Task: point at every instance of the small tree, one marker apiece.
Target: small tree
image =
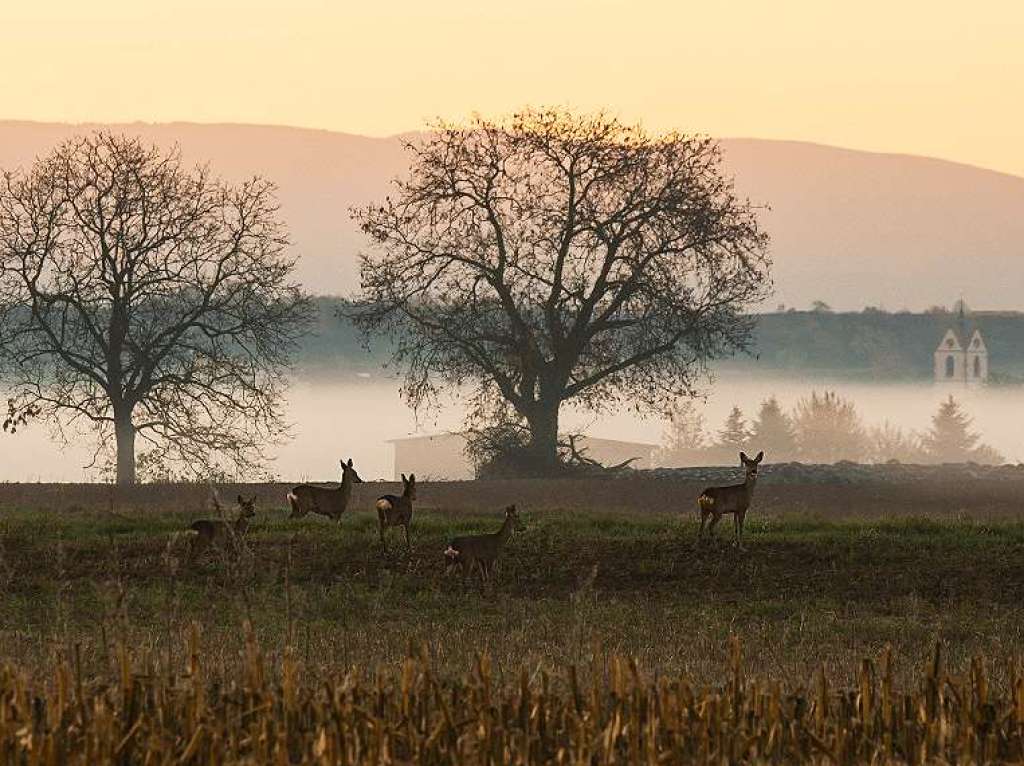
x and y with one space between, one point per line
552 258
820 307
773 432
951 440
828 429
734 436
888 443
685 439
146 300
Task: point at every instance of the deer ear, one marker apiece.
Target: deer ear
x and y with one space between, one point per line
350 462
412 478
241 500
744 458
760 457
404 480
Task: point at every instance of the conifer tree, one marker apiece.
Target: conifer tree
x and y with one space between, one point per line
734 435
773 432
951 440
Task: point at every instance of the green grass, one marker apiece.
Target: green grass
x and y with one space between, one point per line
574 587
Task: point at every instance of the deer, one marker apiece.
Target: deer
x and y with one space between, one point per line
220 531
482 550
328 502
735 499
396 510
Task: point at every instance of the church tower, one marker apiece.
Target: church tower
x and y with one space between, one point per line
962 356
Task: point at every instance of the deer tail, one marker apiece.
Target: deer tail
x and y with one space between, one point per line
706 502
451 553
383 504
293 501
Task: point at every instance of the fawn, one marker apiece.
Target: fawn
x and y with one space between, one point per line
396 511
222 532
482 550
329 502
734 499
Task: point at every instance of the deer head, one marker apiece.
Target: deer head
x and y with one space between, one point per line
409 485
246 508
750 466
512 516
348 473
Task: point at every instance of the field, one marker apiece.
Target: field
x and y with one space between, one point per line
606 574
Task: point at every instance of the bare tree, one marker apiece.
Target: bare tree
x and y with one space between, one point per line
551 258
685 438
147 300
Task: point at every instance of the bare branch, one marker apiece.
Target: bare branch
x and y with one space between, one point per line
139 294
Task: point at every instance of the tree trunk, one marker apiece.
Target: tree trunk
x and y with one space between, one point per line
543 447
124 431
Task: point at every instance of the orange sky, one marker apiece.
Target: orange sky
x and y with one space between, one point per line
937 78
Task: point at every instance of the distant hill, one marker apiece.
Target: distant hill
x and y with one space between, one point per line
848 227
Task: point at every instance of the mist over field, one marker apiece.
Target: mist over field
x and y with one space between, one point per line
340 415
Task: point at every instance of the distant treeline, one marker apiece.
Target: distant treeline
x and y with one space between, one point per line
881 344
822 428
870 343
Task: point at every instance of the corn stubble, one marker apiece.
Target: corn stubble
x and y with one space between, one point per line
147 715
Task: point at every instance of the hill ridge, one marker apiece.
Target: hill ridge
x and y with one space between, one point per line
850 227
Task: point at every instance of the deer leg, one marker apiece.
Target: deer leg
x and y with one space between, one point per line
199 548
715 518
703 521
740 518
383 543
488 574
407 543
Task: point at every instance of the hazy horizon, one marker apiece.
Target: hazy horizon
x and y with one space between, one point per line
911 78
837 217
401 134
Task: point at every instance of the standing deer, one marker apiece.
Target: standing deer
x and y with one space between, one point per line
396 511
482 550
329 502
734 499
220 531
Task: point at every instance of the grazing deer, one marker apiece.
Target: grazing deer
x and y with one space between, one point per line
329 502
481 550
735 499
395 511
222 532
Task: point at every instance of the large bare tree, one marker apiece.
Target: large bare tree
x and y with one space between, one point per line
550 258
148 300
